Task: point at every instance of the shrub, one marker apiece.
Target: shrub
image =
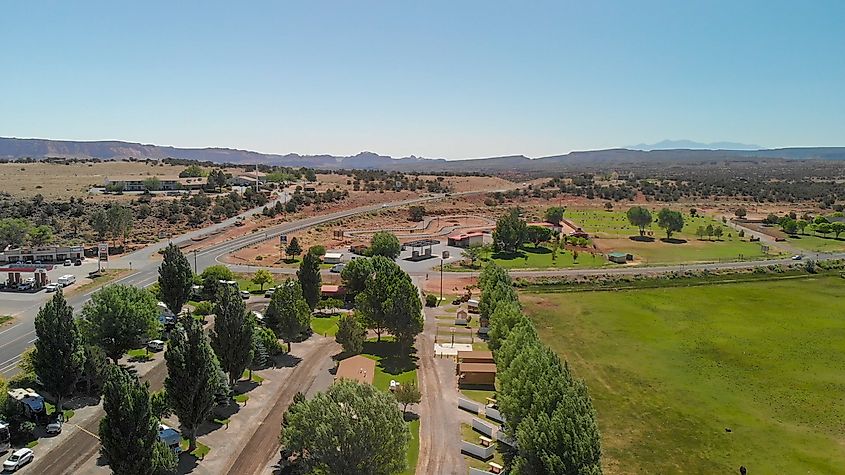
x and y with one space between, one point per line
203 308
430 300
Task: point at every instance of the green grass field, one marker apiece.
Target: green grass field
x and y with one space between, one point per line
541 258
670 369
817 243
326 326
613 231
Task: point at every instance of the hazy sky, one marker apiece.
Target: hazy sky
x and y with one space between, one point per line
452 79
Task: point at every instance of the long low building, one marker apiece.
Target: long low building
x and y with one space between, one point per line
475 238
165 183
43 254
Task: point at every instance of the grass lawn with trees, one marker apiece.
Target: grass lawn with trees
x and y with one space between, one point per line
403 369
614 232
671 369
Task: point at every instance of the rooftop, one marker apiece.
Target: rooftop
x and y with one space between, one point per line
475 354
476 367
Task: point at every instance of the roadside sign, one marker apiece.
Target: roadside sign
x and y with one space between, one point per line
103 251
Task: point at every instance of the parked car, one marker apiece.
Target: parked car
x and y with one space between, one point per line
18 459
155 345
269 292
244 294
337 268
797 257
55 426
78 262
52 287
68 262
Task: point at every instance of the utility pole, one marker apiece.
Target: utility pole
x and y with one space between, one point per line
441 278
195 261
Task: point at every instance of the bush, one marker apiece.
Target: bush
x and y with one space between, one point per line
331 303
430 300
203 308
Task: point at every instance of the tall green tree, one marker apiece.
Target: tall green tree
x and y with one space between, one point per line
640 217
120 220
129 430
231 338
118 316
262 277
40 235
554 214
403 312
670 221
192 376
288 315
293 248
500 292
351 428
389 300
175 279
59 348
211 277
502 320
96 365
537 234
13 231
350 334
521 335
509 234
385 244
355 275
407 394
309 278
416 213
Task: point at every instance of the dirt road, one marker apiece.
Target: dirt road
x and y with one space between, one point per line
440 429
262 448
83 444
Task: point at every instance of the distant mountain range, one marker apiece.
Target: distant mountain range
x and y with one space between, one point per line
690 145
14 148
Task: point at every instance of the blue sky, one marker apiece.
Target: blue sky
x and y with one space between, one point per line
436 79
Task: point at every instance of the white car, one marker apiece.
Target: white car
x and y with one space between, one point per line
55 426
269 292
51 287
244 294
155 345
18 459
797 257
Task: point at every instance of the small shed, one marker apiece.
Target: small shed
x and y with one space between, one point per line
333 257
477 374
619 257
335 291
462 317
475 356
357 368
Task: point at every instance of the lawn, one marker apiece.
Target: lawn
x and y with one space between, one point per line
613 232
413 447
326 326
541 258
671 369
817 243
389 364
